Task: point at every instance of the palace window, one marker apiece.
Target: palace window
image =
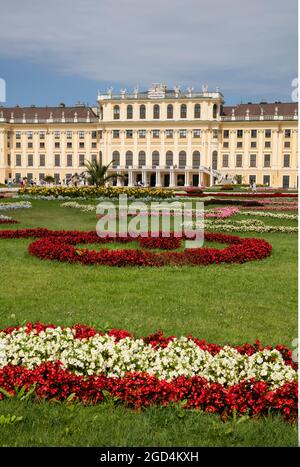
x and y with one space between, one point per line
129 112
252 160
196 133
115 159
266 180
239 160
287 133
253 133
142 111
182 133
94 158
142 133
30 160
57 134
57 160
253 144
239 144
239 133
57 144
81 134
69 160
225 145
18 135
94 145
42 135
285 181
81 160
170 111
267 144
215 133
225 160
252 178
182 159
128 158
94 134
116 112
156 111
268 133
169 133
30 145
69 134
18 160
42 160
69 145
197 111
81 145
215 111
196 159
183 111
155 159
116 133
29 134
286 160
155 133
169 158
142 159
42 145
267 160
129 133
215 160
287 144
226 134
18 145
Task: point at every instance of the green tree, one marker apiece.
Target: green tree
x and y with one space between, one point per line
96 173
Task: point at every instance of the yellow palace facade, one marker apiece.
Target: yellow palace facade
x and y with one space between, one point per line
160 137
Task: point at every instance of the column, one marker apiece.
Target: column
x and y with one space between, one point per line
186 178
158 178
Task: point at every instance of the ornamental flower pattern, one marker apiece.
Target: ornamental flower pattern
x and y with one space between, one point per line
61 246
82 362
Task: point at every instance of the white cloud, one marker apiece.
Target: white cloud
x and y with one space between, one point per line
236 44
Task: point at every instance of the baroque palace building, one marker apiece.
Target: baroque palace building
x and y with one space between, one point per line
160 137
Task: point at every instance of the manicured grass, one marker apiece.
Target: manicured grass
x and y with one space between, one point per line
223 304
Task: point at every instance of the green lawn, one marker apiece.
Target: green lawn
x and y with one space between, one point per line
223 304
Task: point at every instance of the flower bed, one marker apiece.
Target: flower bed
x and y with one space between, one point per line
272 215
94 192
61 246
245 225
19 205
83 363
242 195
7 220
221 213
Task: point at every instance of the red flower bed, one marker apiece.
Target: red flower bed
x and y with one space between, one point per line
137 390
61 246
8 221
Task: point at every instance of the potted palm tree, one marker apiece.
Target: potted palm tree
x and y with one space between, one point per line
96 173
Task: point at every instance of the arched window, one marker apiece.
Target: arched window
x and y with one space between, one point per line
116 112
156 111
215 160
196 159
115 159
142 111
128 158
183 111
182 159
142 159
169 158
129 112
155 159
170 111
197 111
215 111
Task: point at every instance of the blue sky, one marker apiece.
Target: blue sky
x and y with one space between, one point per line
64 51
